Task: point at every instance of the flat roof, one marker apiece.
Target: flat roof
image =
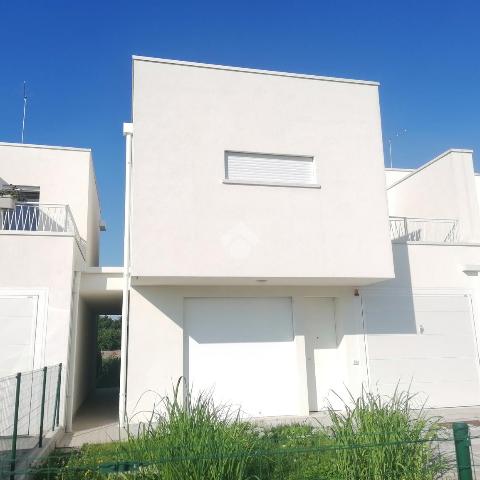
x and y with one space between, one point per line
251 70
48 147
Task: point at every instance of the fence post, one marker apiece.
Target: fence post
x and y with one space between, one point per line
15 428
56 411
42 408
462 450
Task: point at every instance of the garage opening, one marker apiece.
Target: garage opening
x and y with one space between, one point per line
242 350
425 343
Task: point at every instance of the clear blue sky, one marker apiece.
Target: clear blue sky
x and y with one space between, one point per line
75 57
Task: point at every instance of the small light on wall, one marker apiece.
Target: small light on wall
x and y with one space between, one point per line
355 293
261 280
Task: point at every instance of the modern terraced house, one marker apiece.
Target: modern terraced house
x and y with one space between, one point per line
269 255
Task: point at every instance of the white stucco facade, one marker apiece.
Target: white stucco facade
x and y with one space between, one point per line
224 263
271 259
186 117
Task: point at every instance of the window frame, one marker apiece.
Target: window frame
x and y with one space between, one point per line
263 183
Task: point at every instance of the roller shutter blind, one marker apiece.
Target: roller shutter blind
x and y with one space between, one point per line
269 169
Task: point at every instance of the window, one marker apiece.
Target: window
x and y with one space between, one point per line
269 169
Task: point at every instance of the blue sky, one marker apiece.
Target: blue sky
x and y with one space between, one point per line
75 57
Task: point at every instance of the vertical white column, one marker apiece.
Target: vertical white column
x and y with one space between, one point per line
128 133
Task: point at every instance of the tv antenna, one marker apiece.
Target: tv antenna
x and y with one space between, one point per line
24 108
398 134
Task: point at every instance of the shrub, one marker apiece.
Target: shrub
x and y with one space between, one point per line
397 440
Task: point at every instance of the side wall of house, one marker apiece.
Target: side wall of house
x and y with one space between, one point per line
85 355
93 220
45 267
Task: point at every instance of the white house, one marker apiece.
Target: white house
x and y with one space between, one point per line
269 255
263 261
49 238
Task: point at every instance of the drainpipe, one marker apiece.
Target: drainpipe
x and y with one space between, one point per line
128 134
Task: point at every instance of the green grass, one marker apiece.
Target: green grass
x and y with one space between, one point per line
372 439
405 436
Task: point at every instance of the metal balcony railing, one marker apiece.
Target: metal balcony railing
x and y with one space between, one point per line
34 217
424 230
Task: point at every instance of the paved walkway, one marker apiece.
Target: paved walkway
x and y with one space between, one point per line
96 420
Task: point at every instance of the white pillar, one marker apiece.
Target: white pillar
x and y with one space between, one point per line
128 133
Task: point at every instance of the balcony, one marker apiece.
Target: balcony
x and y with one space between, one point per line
41 218
404 229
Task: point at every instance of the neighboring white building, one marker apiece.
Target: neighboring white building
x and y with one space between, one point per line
49 238
270 256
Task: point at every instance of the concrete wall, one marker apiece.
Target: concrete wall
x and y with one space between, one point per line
186 222
65 176
156 350
443 188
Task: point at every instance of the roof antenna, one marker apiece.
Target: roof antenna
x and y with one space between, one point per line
24 108
398 134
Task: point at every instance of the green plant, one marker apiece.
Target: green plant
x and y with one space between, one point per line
379 438
293 452
109 373
198 439
109 333
187 437
191 438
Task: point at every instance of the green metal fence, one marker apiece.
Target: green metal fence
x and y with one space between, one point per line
456 446
29 409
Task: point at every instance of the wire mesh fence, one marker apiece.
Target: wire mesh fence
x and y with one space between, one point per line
29 408
452 455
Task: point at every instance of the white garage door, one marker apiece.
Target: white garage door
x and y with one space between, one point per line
427 341
243 350
18 318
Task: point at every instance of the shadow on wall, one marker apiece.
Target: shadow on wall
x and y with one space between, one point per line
323 330
398 316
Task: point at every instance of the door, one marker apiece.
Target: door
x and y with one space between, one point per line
321 351
242 350
425 343
18 324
